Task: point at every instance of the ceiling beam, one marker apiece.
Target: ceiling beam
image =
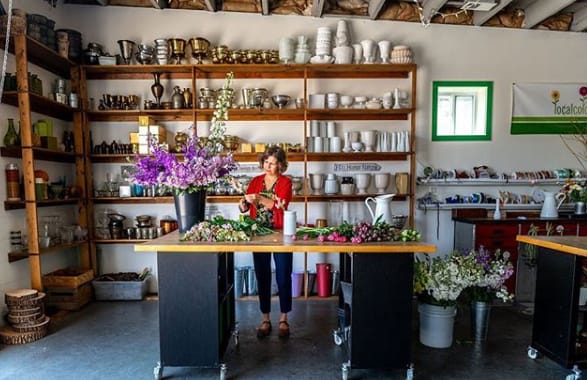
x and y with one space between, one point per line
430 7
480 18
317 8
579 20
543 9
375 7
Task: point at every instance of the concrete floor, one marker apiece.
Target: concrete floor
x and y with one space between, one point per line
119 340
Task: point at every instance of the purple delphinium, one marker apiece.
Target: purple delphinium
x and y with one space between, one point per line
198 168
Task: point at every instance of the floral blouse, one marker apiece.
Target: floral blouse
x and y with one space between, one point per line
281 192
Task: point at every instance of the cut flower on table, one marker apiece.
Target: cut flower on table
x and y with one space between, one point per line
362 232
222 229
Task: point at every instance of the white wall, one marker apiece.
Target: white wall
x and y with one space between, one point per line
442 53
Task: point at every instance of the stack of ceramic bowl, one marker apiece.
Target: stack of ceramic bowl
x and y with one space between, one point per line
401 54
161 51
323 42
332 100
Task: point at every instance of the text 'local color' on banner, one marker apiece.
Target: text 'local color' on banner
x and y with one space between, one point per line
549 108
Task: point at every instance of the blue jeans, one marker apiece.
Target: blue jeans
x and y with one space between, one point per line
283 269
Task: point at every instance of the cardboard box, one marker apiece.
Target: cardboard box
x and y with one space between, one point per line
49 142
146 120
133 137
246 148
145 130
146 139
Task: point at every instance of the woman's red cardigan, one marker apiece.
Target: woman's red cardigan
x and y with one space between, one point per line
282 191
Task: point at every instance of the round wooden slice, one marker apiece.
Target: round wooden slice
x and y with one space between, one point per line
9 336
42 325
18 296
23 312
26 320
30 302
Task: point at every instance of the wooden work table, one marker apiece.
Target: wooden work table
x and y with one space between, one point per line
559 264
197 303
275 243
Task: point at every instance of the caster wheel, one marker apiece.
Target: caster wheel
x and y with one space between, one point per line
337 337
346 369
223 370
158 371
532 353
236 337
410 372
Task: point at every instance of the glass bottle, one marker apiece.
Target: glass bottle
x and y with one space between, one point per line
11 137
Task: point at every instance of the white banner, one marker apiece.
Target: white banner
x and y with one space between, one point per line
549 108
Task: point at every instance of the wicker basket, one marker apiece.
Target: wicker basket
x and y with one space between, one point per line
18 24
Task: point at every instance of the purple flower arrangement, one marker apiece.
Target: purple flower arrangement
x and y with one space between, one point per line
198 166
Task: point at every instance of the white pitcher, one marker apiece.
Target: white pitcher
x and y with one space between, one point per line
551 204
382 207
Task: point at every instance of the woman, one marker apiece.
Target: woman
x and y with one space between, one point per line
267 197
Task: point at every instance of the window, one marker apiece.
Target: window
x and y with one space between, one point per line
461 111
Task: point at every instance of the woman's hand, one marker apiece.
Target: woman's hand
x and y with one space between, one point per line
243 205
257 199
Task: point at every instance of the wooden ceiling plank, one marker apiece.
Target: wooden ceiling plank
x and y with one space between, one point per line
543 9
430 7
579 20
480 18
317 8
375 7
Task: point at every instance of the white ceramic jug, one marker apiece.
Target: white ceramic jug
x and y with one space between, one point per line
551 204
382 207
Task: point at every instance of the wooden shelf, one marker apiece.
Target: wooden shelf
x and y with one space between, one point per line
359 114
184 114
119 241
132 200
40 154
493 182
248 71
236 198
137 71
41 105
261 114
358 156
17 255
16 205
24 254
42 56
240 157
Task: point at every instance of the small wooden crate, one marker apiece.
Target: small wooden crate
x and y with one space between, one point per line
68 278
64 298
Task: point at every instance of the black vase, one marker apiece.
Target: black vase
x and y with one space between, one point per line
190 209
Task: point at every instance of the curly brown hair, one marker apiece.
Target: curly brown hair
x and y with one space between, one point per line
278 153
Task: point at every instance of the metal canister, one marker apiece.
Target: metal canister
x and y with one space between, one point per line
12 182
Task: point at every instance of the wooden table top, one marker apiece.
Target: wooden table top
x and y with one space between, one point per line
275 243
576 245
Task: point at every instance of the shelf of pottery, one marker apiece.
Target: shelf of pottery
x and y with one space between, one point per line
531 187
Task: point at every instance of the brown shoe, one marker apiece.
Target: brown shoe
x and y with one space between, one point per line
283 329
264 330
